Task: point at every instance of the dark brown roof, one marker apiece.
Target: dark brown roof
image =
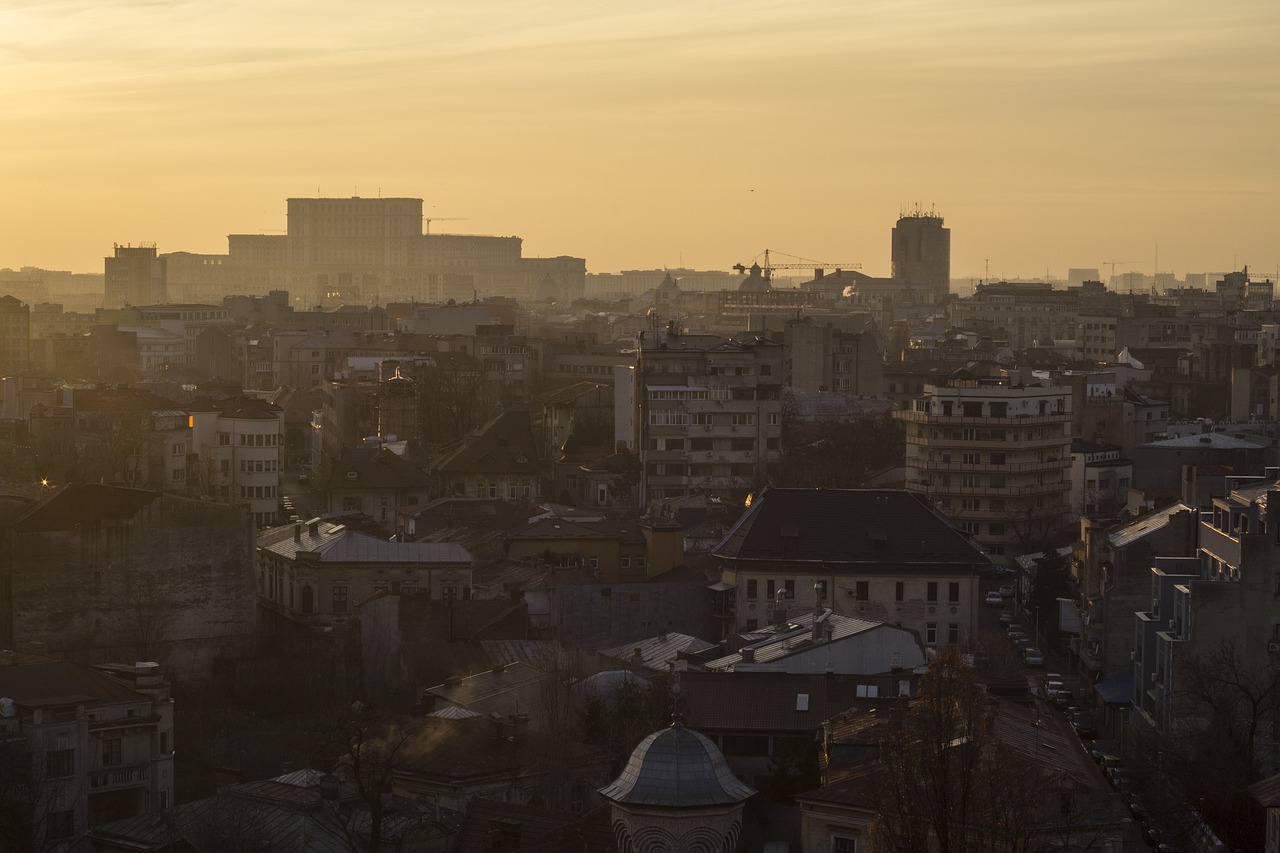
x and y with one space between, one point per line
61 682
381 469
842 527
470 748
82 504
242 408
122 399
554 529
568 394
505 444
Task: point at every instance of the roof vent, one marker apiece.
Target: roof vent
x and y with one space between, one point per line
353 475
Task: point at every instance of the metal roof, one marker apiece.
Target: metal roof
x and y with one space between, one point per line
1146 525
677 767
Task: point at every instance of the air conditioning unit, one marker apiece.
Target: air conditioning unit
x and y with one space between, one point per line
748 454
707 427
1273 647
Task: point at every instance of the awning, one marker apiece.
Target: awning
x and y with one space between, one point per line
1116 690
720 586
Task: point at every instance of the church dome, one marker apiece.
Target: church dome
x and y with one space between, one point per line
677 767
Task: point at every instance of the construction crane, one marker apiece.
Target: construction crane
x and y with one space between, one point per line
429 219
769 266
1113 266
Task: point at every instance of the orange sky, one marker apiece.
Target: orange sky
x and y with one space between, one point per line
1050 134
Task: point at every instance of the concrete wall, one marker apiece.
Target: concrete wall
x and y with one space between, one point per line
174 583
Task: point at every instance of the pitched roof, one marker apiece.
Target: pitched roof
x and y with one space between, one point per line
627 532
797 636
845 527
677 767
1142 527
334 543
380 469
657 652
505 444
240 408
766 701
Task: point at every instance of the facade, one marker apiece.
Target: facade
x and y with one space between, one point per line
314 573
238 454
378 483
371 250
821 357
101 738
876 554
134 275
708 413
921 251
616 551
1100 479
188 322
994 456
15 335
499 461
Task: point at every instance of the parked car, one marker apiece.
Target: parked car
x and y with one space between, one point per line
1033 657
1004 571
1006 590
1085 725
304 480
1006 618
1052 689
1016 635
1100 749
994 600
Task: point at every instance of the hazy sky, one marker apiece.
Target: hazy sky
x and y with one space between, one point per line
643 133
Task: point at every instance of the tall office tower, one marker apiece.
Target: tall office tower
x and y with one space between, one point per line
922 251
134 276
995 457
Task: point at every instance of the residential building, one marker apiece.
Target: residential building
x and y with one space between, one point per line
134 275
15 335
994 455
1113 571
822 357
1100 479
237 448
499 461
379 483
108 572
314 573
708 413
876 554
615 551
100 739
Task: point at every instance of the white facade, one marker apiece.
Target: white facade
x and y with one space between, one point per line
240 458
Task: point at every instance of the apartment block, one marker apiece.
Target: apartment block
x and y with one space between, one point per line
708 413
994 455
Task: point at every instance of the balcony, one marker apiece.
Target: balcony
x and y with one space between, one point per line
1012 443
959 420
1222 545
980 468
115 778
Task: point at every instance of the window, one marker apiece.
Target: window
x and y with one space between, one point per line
932 591
752 589
863 591
224 438
111 752
931 634
790 587
953 592
899 591
997 458
60 762
339 598
770 587
642 562
164 743
178 474
179 449
972 458
995 528
625 562
953 633
59 824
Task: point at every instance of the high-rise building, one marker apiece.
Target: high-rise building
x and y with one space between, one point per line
135 275
922 251
994 456
708 413
15 335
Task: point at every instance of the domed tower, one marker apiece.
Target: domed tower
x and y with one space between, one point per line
668 295
677 795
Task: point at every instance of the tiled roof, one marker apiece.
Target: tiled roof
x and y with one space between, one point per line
239 408
677 767
844 527
627 532
334 543
568 394
505 444
380 469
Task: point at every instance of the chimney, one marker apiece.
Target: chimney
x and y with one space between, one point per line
748 655
297 533
818 273
498 668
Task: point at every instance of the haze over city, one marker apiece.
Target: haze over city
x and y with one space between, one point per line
1051 135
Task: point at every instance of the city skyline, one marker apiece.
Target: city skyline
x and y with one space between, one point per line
1054 136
